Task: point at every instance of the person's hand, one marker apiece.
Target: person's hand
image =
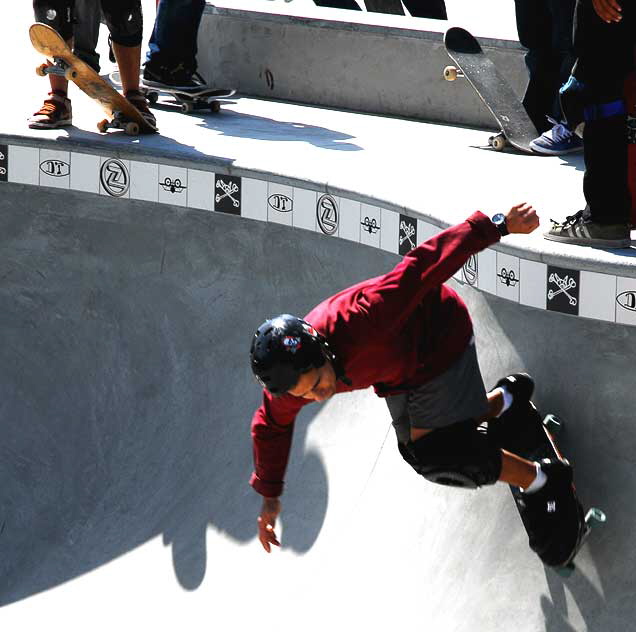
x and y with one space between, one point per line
267 521
522 218
608 10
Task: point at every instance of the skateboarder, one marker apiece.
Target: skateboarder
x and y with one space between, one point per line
124 20
411 337
604 38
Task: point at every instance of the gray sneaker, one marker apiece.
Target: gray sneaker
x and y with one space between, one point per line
576 230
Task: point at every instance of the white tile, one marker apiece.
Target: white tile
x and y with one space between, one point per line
533 289
280 204
487 266
55 168
173 185
371 224
114 177
390 233
24 165
201 189
350 220
626 301
470 271
84 172
426 231
144 181
254 199
304 215
597 296
508 277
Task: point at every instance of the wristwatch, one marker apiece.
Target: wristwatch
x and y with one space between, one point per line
499 220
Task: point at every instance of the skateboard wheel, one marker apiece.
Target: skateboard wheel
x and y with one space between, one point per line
566 571
215 106
595 515
152 97
553 424
131 128
450 73
186 108
70 74
497 142
41 70
102 126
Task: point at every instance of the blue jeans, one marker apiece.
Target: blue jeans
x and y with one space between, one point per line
174 36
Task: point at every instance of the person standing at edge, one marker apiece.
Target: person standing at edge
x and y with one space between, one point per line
411 337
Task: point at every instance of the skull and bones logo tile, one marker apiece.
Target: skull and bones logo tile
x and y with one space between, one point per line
227 194
563 290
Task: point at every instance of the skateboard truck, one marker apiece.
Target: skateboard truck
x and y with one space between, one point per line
59 67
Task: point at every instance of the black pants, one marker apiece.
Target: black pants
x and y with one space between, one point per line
123 18
545 29
605 54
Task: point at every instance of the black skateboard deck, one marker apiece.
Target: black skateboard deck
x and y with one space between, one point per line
530 437
190 100
482 74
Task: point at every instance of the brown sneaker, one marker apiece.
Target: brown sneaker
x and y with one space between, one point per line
139 100
55 112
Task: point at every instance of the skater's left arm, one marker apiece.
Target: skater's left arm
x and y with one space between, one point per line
394 296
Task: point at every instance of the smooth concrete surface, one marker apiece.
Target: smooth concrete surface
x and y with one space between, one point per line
125 453
125 395
367 62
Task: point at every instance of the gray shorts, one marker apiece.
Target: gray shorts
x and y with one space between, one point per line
456 395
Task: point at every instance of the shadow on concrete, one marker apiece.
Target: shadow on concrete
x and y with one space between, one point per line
125 392
584 373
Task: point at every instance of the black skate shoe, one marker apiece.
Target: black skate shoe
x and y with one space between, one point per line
520 386
172 78
553 516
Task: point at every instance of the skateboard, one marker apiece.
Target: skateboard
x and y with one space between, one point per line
532 438
120 112
515 126
188 100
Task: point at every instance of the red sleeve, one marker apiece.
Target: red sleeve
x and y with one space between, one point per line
392 299
272 429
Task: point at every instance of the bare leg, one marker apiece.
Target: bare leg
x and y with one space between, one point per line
57 82
128 60
516 471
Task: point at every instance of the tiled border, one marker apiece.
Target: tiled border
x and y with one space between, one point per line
530 283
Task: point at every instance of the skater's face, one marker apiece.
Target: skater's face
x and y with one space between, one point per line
317 384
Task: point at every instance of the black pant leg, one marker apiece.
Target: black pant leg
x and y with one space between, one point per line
604 57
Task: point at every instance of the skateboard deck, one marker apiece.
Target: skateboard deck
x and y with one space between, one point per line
187 100
190 100
515 126
534 439
120 112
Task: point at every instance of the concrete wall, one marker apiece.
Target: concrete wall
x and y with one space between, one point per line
379 64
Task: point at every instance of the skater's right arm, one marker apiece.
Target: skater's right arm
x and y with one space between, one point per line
267 522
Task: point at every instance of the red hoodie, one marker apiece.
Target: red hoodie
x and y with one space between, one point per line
393 332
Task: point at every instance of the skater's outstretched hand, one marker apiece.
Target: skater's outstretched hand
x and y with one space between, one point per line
267 521
522 218
608 10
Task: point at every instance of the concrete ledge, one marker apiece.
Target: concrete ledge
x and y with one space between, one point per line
389 65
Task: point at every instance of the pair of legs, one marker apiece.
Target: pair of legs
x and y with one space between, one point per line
437 425
545 29
124 19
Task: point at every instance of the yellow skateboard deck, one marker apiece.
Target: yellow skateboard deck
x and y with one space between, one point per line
120 112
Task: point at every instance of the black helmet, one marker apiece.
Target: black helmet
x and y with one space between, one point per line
283 348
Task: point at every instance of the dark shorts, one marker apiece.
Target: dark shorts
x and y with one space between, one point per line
456 395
